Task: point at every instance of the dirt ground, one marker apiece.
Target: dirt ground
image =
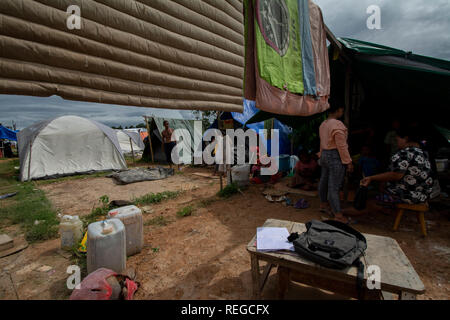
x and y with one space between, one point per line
203 256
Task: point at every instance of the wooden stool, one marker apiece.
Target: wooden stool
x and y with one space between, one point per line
419 208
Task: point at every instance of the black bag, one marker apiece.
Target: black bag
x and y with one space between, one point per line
360 198
331 244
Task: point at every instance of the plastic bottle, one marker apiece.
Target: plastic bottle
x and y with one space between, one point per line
71 230
131 217
106 246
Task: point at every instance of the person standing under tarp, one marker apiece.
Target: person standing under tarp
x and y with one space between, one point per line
334 159
169 141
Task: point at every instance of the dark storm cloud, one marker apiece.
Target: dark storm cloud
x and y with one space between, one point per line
25 110
412 25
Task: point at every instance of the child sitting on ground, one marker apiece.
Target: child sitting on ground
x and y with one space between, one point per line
304 172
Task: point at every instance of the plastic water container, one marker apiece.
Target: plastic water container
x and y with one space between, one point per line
131 217
284 162
240 174
106 246
71 230
441 165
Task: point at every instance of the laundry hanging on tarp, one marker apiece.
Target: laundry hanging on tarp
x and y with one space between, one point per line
286 58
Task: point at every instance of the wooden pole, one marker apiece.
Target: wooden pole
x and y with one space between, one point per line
149 138
348 107
132 152
335 43
347 101
29 163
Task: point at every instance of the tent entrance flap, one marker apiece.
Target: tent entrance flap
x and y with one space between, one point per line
161 54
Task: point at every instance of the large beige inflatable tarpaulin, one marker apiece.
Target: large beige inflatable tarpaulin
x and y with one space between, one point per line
179 54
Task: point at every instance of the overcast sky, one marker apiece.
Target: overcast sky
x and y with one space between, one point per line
420 26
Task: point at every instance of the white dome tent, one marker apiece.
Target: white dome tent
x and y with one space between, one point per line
67 145
130 141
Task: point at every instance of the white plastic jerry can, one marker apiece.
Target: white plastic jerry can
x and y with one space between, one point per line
131 217
106 246
71 230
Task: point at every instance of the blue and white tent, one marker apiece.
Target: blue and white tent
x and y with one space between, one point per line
249 112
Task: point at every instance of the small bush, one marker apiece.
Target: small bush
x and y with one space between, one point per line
98 212
228 191
186 211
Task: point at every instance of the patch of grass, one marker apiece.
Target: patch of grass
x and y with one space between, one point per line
155 250
98 212
206 202
151 198
157 221
9 176
79 259
228 191
30 205
186 211
27 206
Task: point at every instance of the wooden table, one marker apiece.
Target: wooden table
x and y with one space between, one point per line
397 274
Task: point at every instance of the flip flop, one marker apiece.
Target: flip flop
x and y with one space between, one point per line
326 211
288 202
301 204
349 221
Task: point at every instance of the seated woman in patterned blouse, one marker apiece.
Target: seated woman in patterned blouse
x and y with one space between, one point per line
409 179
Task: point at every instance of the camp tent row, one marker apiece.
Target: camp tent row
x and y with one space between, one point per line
130 141
70 145
187 139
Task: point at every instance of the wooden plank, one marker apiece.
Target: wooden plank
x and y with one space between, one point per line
264 276
407 296
6 242
205 175
286 189
255 276
334 286
397 273
283 281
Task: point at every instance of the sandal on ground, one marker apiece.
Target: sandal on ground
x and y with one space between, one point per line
348 222
326 211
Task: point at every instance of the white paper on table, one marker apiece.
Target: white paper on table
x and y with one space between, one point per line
272 239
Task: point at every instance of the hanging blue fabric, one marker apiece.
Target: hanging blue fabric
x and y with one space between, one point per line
309 75
7 134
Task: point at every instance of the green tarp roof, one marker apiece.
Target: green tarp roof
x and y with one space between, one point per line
407 60
396 83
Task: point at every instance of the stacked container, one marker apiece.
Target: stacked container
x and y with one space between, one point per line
71 230
106 246
240 174
131 217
